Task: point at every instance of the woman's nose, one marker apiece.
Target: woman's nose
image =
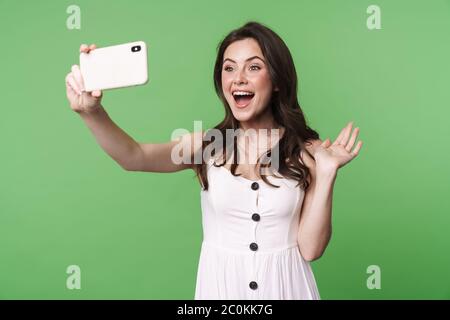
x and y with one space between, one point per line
240 77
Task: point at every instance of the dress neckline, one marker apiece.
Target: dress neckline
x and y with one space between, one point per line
239 177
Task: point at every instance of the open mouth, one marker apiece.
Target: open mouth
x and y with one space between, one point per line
243 98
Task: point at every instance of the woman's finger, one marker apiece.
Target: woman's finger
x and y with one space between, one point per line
71 81
69 87
357 148
97 93
78 77
347 132
350 144
84 48
341 135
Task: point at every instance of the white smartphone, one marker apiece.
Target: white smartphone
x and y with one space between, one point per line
117 66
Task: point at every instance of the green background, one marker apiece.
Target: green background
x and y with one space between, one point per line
63 201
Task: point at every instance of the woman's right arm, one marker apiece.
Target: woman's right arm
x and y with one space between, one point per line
129 154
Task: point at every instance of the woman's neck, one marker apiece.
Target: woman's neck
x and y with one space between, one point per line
264 121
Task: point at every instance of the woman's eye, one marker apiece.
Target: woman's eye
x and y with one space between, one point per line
254 67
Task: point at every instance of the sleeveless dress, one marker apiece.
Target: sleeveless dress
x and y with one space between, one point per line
249 248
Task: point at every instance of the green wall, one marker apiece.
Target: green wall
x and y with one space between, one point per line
64 202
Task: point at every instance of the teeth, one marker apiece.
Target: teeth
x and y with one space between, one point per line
242 93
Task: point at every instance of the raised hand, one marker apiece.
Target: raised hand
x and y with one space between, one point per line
80 100
332 156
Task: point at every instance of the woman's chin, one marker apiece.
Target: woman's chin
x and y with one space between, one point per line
241 115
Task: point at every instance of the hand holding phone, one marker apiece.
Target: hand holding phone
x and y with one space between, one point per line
113 67
117 66
81 101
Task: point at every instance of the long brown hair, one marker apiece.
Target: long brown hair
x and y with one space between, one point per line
284 106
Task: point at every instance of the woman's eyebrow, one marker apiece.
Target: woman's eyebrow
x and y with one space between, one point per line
251 58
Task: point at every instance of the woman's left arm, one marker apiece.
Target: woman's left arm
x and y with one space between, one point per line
315 219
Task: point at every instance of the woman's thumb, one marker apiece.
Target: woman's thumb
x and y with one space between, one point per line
307 160
326 143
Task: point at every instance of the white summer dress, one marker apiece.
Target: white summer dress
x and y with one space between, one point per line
249 248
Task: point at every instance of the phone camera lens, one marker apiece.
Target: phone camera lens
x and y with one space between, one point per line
136 48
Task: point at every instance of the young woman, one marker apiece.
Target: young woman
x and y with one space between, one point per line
261 228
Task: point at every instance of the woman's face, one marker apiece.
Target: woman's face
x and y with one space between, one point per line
246 83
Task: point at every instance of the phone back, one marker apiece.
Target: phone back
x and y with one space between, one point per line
116 66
